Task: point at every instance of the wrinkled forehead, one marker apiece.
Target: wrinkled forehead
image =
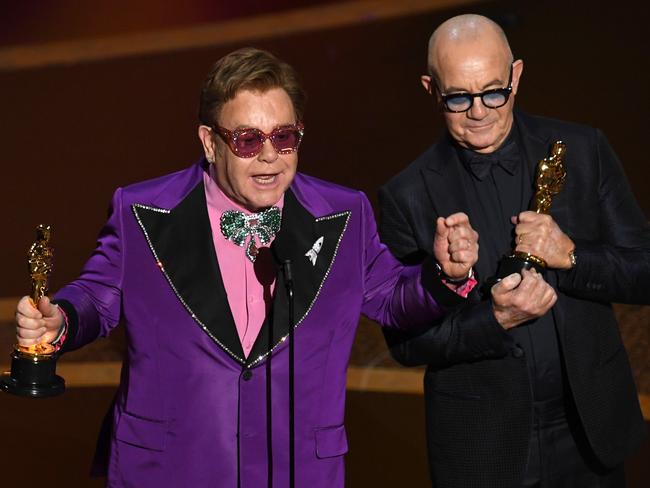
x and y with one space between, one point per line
469 63
260 90
261 109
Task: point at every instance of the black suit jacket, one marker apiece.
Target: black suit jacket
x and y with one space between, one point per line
477 390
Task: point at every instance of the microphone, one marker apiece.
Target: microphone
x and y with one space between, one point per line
285 266
288 277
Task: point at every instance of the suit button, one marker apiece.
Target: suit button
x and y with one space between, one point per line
517 352
247 375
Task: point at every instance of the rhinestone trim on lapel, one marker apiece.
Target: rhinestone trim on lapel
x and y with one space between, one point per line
327 272
161 265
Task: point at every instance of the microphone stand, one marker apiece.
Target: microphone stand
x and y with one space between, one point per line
288 281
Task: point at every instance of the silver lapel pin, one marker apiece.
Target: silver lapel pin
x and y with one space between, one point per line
312 254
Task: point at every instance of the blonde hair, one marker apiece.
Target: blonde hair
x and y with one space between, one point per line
247 69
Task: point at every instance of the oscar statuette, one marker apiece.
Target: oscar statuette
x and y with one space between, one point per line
33 368
549 180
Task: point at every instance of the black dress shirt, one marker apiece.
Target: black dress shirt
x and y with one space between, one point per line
500 185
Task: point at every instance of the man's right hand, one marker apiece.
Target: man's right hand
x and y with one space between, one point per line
519 298
37 325
455 245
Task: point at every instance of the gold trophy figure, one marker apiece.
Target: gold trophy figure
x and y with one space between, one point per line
551 173
39 260
33 368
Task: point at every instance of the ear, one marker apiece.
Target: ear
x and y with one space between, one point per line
430 86
517 70
426 83
207 140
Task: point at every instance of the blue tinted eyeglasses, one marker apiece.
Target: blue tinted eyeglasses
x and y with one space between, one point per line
462 102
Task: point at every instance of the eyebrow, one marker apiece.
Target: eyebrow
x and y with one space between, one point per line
487 86
278 126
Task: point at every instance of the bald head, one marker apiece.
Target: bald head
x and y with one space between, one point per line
463 32
469 56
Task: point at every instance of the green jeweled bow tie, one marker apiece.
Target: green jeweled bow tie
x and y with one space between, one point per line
236 226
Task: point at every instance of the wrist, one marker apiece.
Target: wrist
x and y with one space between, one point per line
568 261
62 332
572 258
445 278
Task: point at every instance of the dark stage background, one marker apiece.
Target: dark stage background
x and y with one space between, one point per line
71 134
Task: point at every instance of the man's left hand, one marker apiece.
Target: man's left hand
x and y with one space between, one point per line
455 245
539 235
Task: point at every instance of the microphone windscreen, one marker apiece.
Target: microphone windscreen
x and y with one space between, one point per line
286 267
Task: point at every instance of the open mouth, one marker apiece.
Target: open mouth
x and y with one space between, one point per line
265 179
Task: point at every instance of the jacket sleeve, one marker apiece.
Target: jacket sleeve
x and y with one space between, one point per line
398 296
468 332
93 301
616 267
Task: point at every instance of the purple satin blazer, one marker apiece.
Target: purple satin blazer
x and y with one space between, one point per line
191 410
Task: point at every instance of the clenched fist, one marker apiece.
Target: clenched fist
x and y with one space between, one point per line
455 245
37 325
519 298
539 234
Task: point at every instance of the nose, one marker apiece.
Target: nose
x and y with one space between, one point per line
477 110
268 154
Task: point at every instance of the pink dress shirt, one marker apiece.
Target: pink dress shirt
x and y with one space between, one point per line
249 286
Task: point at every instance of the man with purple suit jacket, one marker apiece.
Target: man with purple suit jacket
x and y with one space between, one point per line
184 261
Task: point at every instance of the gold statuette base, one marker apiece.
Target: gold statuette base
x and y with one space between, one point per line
517 262
32 375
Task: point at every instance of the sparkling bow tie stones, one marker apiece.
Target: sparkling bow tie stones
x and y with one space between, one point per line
236 226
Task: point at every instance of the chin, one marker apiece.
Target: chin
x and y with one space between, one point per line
262 203
481 144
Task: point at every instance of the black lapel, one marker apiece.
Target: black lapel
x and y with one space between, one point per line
299 232
182 244
442 177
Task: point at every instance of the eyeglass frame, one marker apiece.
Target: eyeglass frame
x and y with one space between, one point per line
230 137
506 91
